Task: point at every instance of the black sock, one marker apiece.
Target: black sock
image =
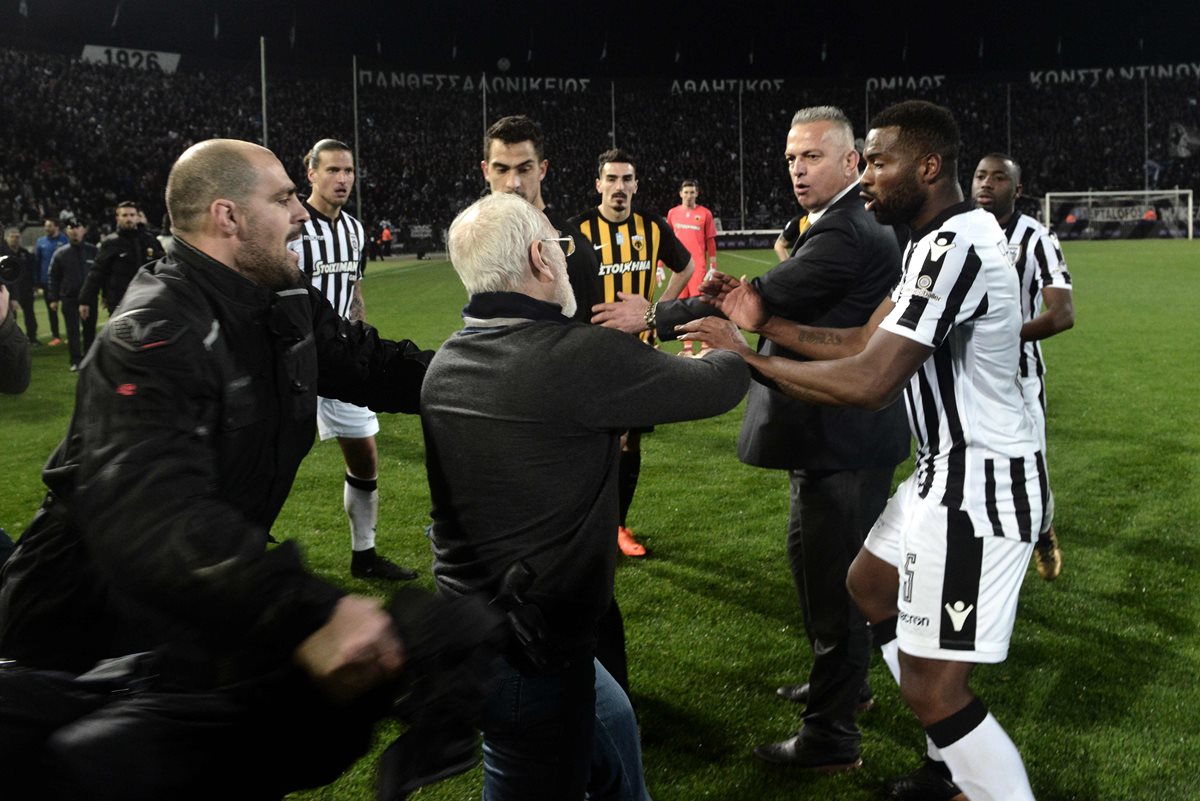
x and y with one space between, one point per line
627 479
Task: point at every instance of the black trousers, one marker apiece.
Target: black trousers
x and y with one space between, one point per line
78 345
831 513
69 737
23 293
52 314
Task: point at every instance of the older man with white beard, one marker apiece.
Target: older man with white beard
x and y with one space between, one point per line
523 412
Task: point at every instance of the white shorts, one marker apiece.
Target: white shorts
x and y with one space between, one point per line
337 418
1032 392
958 591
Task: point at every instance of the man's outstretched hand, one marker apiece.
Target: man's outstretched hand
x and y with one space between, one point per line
736 299
627 314
715 332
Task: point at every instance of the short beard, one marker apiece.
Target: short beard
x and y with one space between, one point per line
566 295
902 207
265 268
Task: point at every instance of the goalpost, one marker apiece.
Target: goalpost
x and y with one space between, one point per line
1132 214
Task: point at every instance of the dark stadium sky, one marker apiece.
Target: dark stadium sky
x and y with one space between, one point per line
697 38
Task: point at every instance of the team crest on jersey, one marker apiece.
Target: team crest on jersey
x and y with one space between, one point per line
924 288
1009 251
638 241
353 240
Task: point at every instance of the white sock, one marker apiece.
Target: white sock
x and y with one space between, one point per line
361 500
985 764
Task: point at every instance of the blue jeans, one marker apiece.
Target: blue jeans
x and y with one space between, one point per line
571 735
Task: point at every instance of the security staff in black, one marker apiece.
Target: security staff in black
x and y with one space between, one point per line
119 259
69 269
193 413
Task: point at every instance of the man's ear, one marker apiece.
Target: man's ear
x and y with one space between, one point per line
851 162
225 216
930 168
540 268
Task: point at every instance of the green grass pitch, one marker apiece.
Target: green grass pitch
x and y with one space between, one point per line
1099 691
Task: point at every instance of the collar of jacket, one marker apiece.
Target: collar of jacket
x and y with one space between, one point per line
484 306
218 278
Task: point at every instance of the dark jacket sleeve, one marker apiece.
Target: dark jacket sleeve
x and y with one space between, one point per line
356 365
145 499
57 269
14 358
817 277
97 277
671 313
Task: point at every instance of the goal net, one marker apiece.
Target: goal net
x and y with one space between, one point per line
1156 214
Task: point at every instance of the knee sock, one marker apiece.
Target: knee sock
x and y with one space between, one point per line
627 479
983 760
361 499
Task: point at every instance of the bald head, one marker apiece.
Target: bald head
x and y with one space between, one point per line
210 170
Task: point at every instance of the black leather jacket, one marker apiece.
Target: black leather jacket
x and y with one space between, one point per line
193 412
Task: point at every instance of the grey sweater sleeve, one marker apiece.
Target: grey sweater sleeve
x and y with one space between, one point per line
631 385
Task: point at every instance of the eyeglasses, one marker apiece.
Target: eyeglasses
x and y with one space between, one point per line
567 243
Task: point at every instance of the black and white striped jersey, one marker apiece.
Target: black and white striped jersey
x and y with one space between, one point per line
977 447
333 254
1039 261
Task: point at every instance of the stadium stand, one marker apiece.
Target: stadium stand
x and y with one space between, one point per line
79 137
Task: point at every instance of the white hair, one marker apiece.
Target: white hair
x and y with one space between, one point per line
489 242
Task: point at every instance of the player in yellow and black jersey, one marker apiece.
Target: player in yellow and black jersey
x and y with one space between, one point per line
629 244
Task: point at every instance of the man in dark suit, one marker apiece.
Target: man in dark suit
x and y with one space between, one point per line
840 461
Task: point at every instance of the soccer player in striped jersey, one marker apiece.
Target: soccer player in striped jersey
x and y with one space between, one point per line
941 569
1042 271
332 251
630 244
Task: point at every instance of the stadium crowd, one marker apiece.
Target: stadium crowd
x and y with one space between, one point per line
80 137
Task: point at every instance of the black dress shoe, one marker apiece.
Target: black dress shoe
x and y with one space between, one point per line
930 782
799 694
368 564
801 753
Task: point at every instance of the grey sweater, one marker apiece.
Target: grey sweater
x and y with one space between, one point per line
522 421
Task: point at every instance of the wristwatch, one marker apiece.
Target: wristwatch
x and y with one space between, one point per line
649 317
